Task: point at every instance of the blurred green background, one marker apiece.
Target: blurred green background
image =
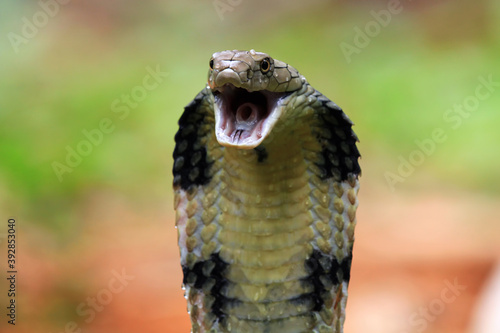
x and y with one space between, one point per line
66 67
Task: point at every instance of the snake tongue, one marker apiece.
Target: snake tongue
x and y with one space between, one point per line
244 119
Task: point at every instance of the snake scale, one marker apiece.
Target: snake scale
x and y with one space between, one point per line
266 182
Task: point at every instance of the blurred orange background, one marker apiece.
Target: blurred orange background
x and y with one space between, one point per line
90 94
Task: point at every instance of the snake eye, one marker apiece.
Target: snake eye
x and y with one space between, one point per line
211 63
265 65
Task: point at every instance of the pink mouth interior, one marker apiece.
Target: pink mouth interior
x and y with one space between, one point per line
243 113
247 118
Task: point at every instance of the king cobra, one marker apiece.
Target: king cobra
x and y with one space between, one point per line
266 182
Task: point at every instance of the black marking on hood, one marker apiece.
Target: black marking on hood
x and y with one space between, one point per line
208 276
191 167
340 154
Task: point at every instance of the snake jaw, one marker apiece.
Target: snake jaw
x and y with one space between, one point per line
244 119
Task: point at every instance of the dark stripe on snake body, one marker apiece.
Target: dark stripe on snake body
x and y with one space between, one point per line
325 272
209 276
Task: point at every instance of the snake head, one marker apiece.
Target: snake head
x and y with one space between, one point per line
247 87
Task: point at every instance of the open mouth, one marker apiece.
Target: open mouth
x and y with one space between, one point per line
244 119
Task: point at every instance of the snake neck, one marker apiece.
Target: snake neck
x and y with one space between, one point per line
266 184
